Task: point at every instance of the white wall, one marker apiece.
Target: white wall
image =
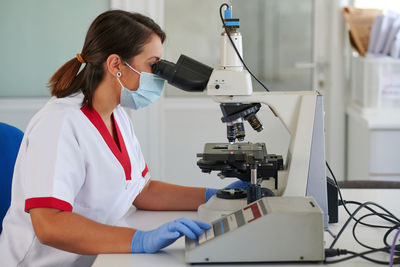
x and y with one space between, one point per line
19 111
37 37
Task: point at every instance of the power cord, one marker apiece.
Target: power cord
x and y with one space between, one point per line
388 233
392 249
338 252
236 50
355 226
344 202
387 216
350 219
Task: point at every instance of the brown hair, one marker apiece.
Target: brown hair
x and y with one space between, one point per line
112 32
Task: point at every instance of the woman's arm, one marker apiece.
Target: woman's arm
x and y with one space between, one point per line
74 233
158 195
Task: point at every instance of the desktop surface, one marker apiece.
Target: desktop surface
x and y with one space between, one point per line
174 255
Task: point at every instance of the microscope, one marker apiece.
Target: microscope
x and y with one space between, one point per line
282 214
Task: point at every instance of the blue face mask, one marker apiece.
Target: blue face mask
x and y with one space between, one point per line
150 88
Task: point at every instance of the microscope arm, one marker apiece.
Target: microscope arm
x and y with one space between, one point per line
296 111
284 105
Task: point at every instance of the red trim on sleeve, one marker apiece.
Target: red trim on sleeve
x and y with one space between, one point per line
120 153
47 202
145 171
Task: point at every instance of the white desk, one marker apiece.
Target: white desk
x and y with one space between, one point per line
174 255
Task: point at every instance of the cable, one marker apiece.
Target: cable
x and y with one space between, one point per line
337 185
348 221
397 248
352 217
343 202
338 252
236 50
388 233
381 215
373 226
354 231
387 216
362 255
392 248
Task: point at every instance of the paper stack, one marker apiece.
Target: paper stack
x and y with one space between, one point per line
384 39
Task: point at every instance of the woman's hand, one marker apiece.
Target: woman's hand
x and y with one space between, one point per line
166 234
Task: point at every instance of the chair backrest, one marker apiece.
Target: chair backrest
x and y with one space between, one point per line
10 140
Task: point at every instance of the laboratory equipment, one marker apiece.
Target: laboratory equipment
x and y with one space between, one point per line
293 193
269 229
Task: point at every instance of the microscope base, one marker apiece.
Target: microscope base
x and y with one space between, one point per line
277 229
215 208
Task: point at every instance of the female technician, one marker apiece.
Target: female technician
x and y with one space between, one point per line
80 166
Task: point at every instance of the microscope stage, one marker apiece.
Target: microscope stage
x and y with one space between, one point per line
236 159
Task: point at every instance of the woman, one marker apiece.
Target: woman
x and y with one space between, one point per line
80 166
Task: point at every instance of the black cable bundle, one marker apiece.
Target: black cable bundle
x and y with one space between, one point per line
385 215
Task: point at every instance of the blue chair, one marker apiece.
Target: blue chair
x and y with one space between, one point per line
10 140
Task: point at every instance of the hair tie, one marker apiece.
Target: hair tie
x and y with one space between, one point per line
80 58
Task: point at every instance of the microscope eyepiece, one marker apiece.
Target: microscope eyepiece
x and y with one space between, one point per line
187 74
164 69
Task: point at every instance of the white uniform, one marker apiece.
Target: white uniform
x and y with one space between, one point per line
69 161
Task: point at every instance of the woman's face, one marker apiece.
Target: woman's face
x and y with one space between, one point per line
151 53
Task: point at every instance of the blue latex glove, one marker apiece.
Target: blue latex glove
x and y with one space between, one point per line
238 184
166 234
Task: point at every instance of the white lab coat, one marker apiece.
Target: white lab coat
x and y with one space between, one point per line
69 161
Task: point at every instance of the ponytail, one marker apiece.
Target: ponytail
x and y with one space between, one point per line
63 78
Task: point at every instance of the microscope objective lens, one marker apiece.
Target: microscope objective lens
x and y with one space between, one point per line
255 123
240 134
231 131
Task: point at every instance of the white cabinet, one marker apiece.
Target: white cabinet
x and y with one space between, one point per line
373 149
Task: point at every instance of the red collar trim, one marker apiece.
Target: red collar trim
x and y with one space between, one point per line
121 155
145 171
